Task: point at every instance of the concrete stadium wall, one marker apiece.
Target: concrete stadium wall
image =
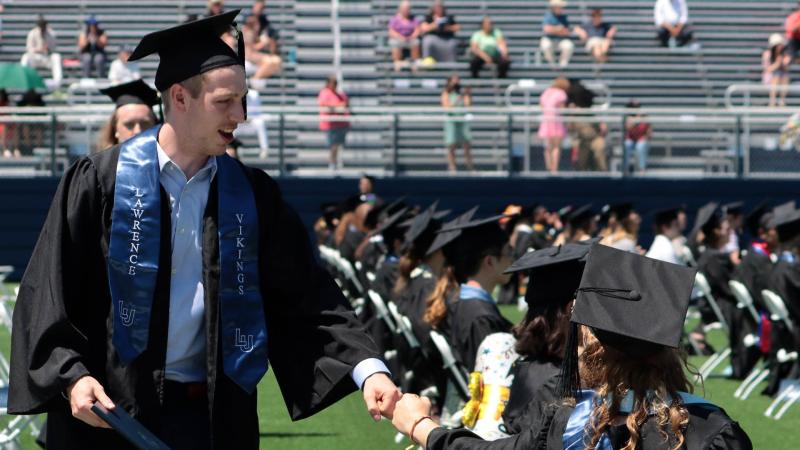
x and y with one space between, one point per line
24 202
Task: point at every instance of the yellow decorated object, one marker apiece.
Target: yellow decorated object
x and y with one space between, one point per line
486 401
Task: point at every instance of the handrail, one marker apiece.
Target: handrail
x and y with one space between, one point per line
747 89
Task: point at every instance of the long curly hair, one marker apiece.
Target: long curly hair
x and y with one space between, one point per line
656 381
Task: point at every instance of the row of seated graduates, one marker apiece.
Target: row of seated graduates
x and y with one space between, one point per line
768 262
413 258
426 265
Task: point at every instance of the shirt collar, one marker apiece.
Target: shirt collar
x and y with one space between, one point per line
164 160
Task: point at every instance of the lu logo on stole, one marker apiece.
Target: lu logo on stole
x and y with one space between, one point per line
244 342
126 314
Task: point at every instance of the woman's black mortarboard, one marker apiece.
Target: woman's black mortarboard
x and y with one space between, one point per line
136 92
580 215
733 208
190 49
618 292
787 224
554 272
754 219
445 237
708 217
666 216
391 223
780 212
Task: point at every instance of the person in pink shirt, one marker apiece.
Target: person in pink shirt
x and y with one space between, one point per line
404 35
792 33
552 128
333 102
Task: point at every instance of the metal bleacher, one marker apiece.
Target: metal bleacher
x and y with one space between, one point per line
731 34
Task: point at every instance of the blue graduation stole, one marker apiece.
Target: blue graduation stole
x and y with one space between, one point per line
475 293
134 252
575 431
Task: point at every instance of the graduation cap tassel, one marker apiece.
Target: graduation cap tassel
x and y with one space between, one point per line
570 377
240 53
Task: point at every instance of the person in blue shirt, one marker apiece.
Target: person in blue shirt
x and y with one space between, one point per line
557 32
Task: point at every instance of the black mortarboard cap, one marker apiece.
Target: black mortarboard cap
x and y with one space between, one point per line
554 272
578 215
666 216
755 218
136 92
708 216
788 225
351 203
392 222
444 238
375 214
734 208
190 49
783 209
633 303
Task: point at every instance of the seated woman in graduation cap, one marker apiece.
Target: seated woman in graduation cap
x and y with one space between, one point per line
554 276
634 388
132 115
623 227
477 255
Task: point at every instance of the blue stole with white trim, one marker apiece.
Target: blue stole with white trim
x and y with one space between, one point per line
575 431
134 253
475 293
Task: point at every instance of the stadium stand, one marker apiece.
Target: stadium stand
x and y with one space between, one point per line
731 36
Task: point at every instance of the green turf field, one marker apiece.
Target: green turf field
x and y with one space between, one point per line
347 426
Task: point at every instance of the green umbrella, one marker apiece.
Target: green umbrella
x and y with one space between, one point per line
17 76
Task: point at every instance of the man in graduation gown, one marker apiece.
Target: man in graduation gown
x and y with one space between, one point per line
176 328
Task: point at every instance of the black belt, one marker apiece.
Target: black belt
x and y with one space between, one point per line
182 393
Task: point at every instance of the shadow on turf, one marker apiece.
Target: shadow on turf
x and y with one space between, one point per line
293 435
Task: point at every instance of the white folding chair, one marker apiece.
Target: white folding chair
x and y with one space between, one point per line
745 301
701 283
403 326
790 389
381 310
457 373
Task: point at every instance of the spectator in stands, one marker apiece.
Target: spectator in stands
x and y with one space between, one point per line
671 19
598 36
792 32
637 136
775 69
40 49
438 31
589 135
92 43
215 7
456 128
331 101
264 26
122 70
404 33
256 47
552 129
31 133
557 32
489 47
7 130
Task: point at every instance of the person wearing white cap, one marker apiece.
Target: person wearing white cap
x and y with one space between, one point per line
557 32
775 69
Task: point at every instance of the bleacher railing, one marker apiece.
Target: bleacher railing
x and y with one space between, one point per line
409 141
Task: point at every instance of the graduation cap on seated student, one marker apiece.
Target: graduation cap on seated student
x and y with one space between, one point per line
787 224
192 48
733 208
421 229
554 273
780 211
755 219
708 217
666 216
631 303
450 231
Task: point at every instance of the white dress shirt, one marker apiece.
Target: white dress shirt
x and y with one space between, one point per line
663 250
672 12
186 337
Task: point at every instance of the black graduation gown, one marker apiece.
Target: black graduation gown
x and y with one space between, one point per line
708 429
753 272
535 384
353 237
718 269
63 323
386 277
470 321
784 280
